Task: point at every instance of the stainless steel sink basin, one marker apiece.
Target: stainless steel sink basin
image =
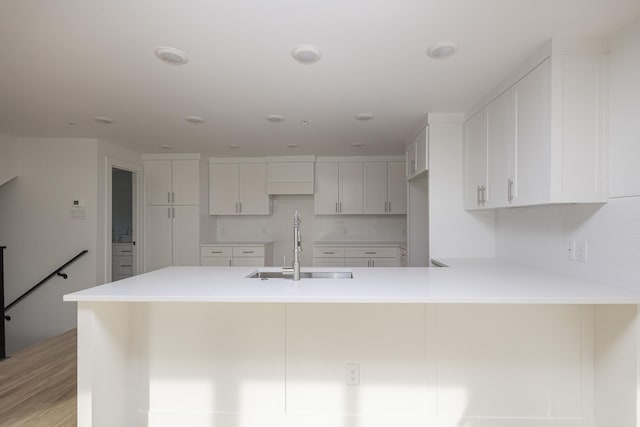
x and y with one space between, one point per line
264 275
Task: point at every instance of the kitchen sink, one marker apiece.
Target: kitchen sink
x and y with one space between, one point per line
264 275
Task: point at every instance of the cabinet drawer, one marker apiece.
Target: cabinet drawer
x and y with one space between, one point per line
122 249
372 252
216 251
247 262
328 252
121 265
328 262
248 251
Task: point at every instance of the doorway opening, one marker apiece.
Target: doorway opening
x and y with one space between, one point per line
123 224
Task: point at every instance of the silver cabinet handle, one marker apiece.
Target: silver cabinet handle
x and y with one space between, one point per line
216 252
509 189
371 253
373 263
340 207
236 207
173 212
168 212
368 263
328 253
478 190
389 207
173 197
123 251
484 194
168 196
336 207
240 206
247 252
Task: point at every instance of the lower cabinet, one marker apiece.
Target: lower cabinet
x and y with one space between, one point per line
121 261
236 255
356 256
171 237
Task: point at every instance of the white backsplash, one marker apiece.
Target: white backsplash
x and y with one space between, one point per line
278 228
539 236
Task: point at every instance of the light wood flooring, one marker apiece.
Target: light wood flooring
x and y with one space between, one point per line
38 384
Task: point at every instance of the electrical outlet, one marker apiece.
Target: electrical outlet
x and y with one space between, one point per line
353 374
570 253
581 252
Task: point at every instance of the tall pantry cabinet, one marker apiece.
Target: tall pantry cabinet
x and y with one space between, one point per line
172 210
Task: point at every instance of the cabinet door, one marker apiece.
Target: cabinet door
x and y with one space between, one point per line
475 160
357 262
185 182
186 235
350 188
252 189
385 262
396 188
530 153
375 188
158 239
327 189
412 158
157 182
499 137
422 151
215 262
247 262
223 189
328 262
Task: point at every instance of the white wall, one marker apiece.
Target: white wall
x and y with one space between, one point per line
40 235
453 232
8 158
278 228
539 235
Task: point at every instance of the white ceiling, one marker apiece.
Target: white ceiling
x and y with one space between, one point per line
71 60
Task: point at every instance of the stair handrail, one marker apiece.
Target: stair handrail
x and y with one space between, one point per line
56 272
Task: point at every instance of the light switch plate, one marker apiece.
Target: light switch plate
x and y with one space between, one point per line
581 251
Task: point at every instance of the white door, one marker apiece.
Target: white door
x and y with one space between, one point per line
157 182
396 188
530 154
475 159
223 189
350 188
185 180
158 239
499 135
375 188
252 189
186 235
327 188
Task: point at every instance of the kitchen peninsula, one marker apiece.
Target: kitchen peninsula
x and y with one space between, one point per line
481 343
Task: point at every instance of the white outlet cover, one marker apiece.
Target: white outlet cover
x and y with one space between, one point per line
581 251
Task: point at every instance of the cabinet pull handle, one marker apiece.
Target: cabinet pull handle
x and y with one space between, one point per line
240 206
123 250
173 197
478 200
336 207
125 265
173 212
389 207
168 196
373 263
371 253
328 253
236 207
340 207
169 213
509 189
216 252
247 252
368 263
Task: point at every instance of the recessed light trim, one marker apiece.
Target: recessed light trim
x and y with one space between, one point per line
306 54
166 147
104 119
292 145
364 116
442 50
195 119
72 123
171 55
357 144
274 118
233 146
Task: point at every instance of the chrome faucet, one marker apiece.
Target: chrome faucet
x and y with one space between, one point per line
297 248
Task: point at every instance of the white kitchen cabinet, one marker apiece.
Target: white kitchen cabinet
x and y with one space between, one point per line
171 238
121 261
417 155
550 142
356 255
237 254
384 189
238 188
487 138
338 188
169 181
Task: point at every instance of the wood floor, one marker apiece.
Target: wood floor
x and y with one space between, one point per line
38 384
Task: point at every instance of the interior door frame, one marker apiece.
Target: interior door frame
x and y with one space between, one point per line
136 214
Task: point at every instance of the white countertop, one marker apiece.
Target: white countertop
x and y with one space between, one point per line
359 244
477 281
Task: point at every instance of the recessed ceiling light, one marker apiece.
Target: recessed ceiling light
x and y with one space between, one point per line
195 119
72 123
166 147
274 118
104 119
304 122
364 116
233 146
442 50
292 145
306 54
171 55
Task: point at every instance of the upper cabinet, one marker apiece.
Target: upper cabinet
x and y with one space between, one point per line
542 140
238 187
338 188
171 181
417 155
290 175
384 189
